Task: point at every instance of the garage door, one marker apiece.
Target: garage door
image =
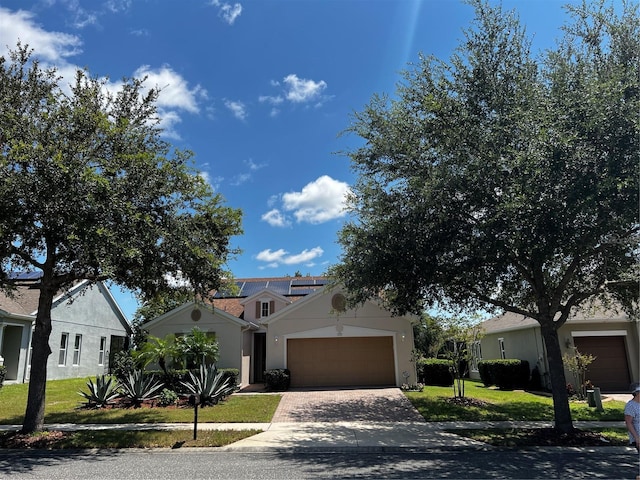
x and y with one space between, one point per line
341 361
610 370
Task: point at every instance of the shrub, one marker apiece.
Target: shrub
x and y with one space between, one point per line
3 373
437 372
506 374
277 379
210 384
138 387
167 397
233 374
102 392
122 365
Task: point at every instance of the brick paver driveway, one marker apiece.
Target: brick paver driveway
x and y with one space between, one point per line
346 405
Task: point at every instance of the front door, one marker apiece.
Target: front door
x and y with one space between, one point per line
259 356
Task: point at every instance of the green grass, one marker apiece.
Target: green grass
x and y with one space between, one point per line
63 406
123 439
522 437
502 405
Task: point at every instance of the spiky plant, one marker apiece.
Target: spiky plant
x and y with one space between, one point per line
137 387
210 384
101 393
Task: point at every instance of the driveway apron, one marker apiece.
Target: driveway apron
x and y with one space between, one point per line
346 405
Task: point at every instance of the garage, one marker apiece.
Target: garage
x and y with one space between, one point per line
341 361
610 370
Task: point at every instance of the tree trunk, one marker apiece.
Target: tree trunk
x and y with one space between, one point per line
561 411
40 351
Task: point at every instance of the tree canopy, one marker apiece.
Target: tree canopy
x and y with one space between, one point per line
89 190
501 179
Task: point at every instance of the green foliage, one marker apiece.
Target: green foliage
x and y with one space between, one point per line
138 387
123 364
101 393
578 364
197 348
277 379
167 397
233 374
146 215
503 177
3 373
437 372
158 350
506 374
427 335
210 384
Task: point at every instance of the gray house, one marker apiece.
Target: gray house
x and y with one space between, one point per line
609 335
88 327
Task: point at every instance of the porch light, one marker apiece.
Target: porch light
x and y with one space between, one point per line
403 336
275 339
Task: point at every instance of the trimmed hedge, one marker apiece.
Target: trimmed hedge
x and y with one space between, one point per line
505 374
436 372
277 379
3 373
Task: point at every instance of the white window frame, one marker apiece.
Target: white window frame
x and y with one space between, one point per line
103 348
64 347
77 348
265 309
503 353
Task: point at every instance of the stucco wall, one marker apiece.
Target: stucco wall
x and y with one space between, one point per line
316 319
90 315
228 334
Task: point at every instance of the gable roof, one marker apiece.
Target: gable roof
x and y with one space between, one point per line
192 305
595 313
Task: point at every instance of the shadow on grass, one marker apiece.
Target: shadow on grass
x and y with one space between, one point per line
439 410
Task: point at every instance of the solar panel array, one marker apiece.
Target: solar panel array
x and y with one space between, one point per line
296 286
25 275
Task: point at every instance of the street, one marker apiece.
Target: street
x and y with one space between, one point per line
556 463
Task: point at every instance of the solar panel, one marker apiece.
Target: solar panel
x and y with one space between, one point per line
223 293
302 291
281 287
25 275
303 283
251 288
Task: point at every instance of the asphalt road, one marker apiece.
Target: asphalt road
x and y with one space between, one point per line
192 464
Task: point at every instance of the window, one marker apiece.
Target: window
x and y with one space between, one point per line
264 310
76 349
476 355
501 346
103 347
64 343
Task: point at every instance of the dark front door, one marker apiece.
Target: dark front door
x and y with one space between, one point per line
259 356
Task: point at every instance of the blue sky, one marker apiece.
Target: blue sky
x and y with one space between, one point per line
259 90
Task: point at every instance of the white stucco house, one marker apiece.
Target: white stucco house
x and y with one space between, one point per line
88 327
301 324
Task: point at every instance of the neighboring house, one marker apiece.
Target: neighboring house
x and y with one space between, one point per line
612 337
300 324
88 327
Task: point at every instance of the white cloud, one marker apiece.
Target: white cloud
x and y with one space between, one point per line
237 108
175 92
319 201
49 46
229 13
300 90
275 218
282 257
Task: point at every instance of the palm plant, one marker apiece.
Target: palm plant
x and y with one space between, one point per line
158 350
197 348
137 387
102 392
210 384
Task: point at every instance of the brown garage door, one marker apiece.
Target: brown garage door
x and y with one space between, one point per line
341 361
610 370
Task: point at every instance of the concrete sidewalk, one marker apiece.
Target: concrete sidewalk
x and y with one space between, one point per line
339 436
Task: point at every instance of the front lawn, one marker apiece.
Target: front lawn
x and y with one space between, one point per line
63 405
489 404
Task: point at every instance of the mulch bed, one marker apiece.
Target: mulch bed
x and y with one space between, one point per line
42 440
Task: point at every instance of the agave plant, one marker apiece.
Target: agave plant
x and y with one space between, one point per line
137 387
210 384
102 392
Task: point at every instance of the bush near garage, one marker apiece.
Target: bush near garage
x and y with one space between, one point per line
437 372
506 374
277 379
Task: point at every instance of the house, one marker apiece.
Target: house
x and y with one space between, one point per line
88 328
609 335
302 324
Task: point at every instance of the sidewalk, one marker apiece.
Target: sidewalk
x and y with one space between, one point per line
340 436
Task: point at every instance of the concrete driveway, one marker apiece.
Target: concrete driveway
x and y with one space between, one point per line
346 405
